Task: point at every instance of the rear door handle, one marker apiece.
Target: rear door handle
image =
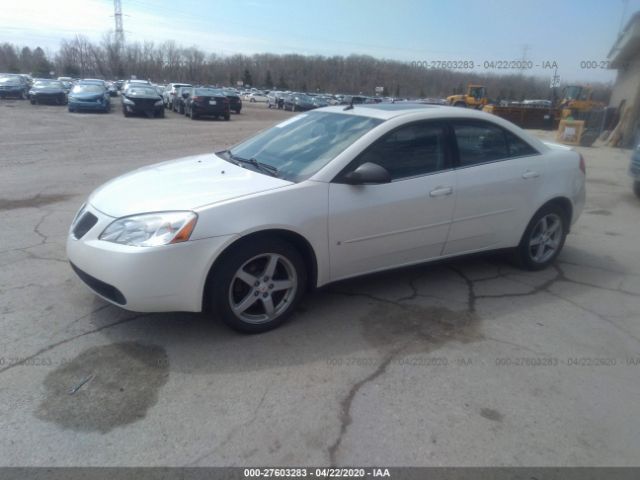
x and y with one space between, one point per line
530 174
441 191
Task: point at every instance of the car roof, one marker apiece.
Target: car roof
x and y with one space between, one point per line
386 111
420 111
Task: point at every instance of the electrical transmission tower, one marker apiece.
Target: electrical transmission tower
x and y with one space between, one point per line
117 13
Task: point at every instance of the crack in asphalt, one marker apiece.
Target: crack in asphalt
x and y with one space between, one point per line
472 298
345 405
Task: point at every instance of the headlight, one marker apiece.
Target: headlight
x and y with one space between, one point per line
126 101
159 103
151 229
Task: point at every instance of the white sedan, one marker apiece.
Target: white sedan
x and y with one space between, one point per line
256 97
323 196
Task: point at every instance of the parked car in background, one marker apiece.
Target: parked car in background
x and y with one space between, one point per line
112 89
13 87
320 101
95 81
353 99
634 170
235 102
48 91
298 102
272 99
325 196
134 81
256 97
170 93
207 102
182 93
142 99
89 96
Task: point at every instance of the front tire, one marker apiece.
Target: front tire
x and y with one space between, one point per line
258 285
543 239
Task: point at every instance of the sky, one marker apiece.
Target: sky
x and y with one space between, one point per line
566 32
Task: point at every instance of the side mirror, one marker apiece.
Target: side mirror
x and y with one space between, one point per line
368 173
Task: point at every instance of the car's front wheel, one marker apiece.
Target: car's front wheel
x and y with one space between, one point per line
257 286
543 239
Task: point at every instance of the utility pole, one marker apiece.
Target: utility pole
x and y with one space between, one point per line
117 13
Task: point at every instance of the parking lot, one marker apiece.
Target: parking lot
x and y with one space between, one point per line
465 362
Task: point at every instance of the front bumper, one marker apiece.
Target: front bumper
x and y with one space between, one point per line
17 93
93 106
49 97
144 109
144 279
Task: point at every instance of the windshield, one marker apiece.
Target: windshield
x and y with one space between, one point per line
142 91
48 84
87 89
209 91
10 81
302 145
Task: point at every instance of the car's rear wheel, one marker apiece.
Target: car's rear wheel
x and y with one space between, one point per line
636 188
227 116
257 287
543 239
33 102
193 115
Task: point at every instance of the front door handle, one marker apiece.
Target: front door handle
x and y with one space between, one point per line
530 174
441 191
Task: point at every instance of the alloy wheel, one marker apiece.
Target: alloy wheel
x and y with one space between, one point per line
263 288
545 238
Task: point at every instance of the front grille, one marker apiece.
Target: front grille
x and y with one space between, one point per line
86 223
145 103
107 291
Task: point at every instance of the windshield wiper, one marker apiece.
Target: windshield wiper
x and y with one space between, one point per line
260 166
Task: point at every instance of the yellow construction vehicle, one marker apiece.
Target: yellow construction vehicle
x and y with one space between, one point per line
577 102
476 97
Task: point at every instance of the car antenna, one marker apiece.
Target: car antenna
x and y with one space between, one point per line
350 106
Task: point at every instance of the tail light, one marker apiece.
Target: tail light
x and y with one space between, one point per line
583 166
197 99
225 100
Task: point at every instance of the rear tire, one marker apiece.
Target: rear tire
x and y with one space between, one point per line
543 238
636 188
257 286
227 116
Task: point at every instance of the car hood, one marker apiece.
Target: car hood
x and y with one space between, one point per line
183 184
